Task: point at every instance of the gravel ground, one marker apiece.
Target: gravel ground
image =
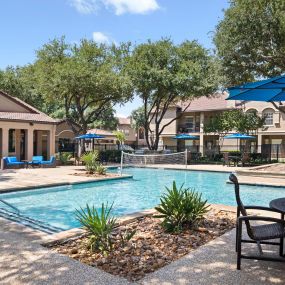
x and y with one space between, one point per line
151 248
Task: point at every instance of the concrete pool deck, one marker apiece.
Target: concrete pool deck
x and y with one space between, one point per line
24 261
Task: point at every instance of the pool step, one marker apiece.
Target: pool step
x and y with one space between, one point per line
35 224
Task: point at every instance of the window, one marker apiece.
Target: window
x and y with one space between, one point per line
268 115
11 140
253 111
189 124
141 134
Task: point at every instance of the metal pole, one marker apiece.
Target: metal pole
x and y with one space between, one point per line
122 156
186 156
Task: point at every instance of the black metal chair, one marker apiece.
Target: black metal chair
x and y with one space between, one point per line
259 234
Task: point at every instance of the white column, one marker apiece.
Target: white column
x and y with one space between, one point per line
29 143
51 142
5 142
39 142
202 133
18 143
259 143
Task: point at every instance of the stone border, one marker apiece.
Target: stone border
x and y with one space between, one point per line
75 233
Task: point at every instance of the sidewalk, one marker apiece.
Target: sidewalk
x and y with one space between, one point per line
24 261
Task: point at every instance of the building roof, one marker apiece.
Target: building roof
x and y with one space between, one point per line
211 103
100 132
32 114
124 121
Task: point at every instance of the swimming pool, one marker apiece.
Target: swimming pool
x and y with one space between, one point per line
56 206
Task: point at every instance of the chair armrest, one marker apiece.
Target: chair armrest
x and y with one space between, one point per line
261 208
261 218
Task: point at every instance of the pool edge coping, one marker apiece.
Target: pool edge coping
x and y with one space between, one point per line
36 187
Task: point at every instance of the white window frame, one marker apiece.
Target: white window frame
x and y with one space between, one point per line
269 117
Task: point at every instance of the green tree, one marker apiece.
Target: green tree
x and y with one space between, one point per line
107 121
121 137
250 40
233 121
138 118
165 75
85 79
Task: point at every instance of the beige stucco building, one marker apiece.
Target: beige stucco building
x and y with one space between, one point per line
24 130
203 109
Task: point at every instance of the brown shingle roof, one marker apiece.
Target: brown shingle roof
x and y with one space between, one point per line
124 121
33 115
100 132
216 102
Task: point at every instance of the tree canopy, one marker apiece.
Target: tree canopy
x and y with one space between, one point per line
138 118
87 79
234 121
250 40
165 74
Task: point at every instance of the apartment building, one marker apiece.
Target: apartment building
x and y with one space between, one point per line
203 109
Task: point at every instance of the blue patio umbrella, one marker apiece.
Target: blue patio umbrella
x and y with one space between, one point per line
185 137
239 136
90 136
269 90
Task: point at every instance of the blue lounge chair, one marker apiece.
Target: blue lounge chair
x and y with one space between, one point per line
36 160
12 162
50 162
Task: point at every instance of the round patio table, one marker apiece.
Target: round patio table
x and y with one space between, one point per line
279 204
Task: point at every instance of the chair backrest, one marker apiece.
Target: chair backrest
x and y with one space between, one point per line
240 206
12 159
52 159
226 157
37 158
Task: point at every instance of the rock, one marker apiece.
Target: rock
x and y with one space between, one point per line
73 251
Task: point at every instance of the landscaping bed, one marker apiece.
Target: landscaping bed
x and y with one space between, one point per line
96 175
151 247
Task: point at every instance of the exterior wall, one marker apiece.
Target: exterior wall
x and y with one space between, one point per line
269 134
169 115
7 105
129 132
29 134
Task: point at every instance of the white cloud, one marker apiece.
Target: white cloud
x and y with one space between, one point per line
101 38
132 6
119 6
85 6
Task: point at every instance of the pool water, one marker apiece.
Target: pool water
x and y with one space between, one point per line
56 205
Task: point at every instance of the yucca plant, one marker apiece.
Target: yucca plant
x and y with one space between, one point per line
91 160
99 226
181 207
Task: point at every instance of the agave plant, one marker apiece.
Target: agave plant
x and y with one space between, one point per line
99 226
181 207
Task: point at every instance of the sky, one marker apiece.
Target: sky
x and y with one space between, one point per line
28 24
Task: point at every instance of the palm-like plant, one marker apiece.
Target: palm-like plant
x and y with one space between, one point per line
181 207
91 160
99 226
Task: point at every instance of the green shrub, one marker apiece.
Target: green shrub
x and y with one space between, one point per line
64 157
180 208
90 160
99 226
101 170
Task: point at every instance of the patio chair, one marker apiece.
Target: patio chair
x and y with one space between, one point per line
259 234
12 162
245 159
49 163
226 160
36 160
